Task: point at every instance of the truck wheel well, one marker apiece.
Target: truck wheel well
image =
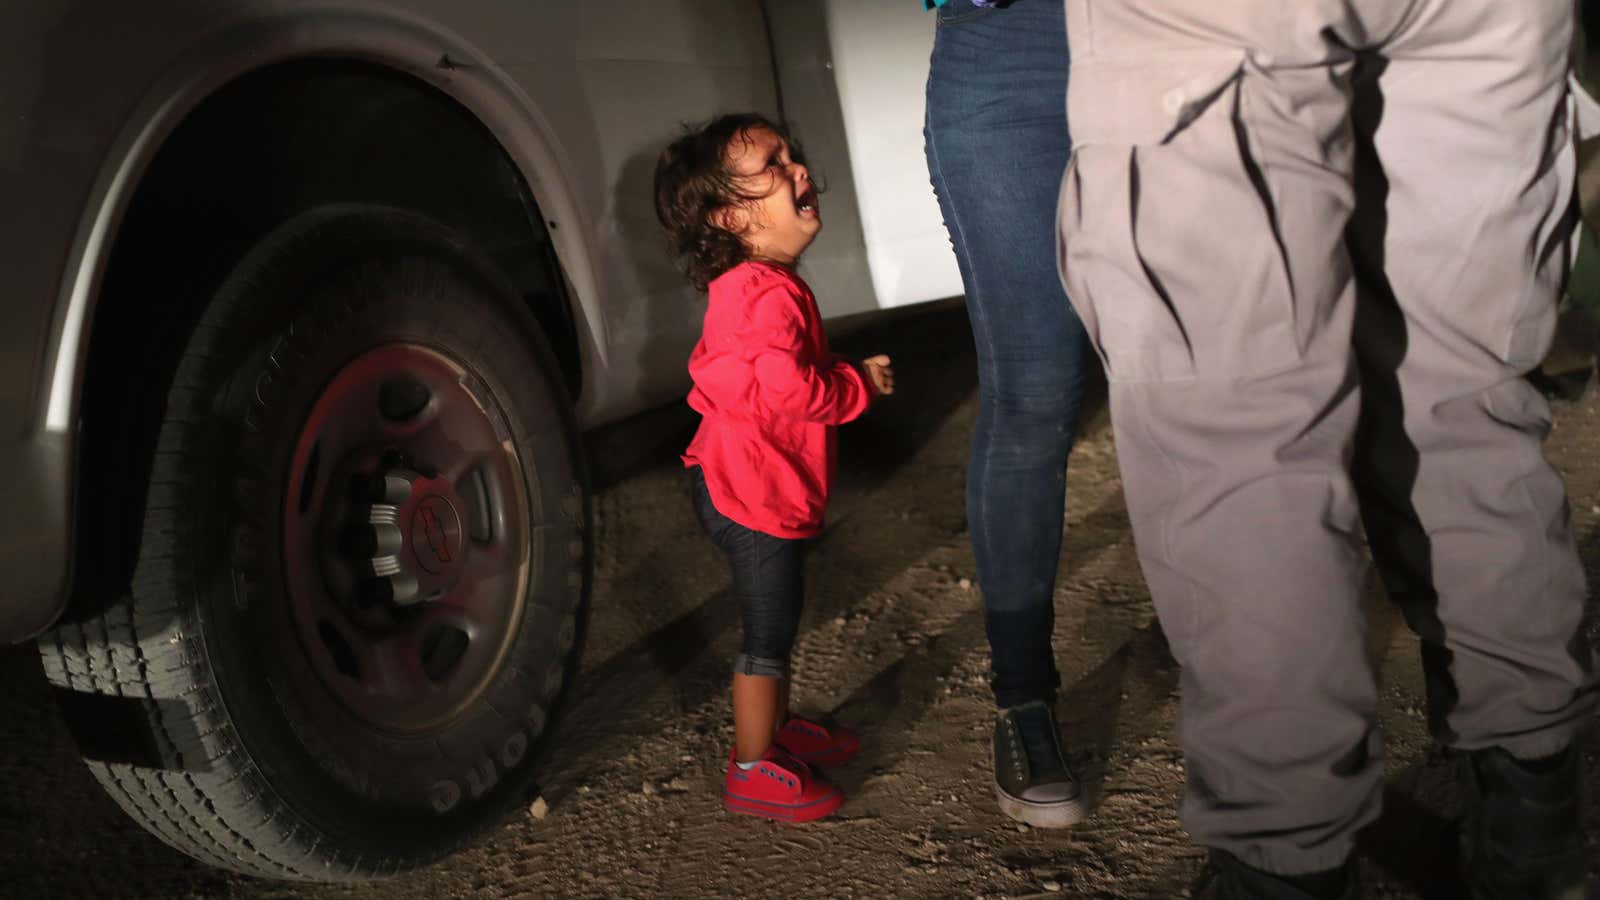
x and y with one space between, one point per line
264 148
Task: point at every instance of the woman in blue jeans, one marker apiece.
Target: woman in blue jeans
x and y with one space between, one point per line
997 144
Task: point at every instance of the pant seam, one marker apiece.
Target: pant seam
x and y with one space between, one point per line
981 336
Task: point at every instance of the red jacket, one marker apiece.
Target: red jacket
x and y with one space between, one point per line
770 395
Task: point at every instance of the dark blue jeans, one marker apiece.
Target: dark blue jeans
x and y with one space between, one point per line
997 144
768 582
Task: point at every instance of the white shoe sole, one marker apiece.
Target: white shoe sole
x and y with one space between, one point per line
1048 814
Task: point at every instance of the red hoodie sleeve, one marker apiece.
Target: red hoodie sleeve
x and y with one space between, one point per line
787 381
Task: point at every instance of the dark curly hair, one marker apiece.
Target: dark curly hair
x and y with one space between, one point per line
693 182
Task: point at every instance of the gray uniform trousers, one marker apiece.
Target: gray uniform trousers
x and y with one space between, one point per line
1315 243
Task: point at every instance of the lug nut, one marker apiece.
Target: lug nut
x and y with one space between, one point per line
391 490
396 489
403 589
400 589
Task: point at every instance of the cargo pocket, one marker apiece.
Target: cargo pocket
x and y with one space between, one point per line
1168 240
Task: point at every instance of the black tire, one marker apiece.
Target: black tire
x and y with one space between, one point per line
214 701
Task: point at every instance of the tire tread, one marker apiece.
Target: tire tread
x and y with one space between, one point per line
207 797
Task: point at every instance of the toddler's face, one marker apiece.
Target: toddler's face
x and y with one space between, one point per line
785 220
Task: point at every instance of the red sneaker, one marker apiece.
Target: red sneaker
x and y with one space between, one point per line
816 744
779 787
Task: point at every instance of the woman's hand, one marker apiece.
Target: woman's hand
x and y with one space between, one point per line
879 373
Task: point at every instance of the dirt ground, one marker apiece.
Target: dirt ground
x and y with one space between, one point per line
892 644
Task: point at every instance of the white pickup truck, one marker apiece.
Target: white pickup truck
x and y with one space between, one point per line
306 304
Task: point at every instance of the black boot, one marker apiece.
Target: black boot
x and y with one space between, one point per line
1522 835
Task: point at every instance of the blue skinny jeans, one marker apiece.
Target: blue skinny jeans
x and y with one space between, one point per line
997 144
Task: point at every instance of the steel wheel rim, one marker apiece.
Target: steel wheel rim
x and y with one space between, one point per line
407 538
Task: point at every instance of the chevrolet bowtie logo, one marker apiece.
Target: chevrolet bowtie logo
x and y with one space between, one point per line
433 530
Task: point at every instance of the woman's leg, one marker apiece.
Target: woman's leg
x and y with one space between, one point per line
997 144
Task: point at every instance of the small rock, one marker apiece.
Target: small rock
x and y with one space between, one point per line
1050 884
838 621
583 789
965 584
675 785
647 788
1595 510
539 809
1022 827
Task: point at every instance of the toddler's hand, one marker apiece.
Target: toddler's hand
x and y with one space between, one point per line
877 369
